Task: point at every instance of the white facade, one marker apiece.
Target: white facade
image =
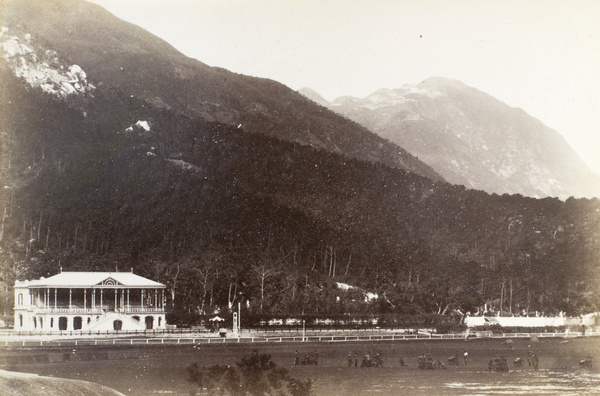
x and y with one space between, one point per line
89 301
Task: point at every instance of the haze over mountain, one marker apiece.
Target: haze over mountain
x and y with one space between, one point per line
118 152
472 139
119 58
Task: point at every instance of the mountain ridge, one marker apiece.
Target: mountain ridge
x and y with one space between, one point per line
473 139
96 177
118 59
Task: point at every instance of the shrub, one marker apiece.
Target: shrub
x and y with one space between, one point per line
256 374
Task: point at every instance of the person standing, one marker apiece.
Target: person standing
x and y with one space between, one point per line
401 361
465 357
534 361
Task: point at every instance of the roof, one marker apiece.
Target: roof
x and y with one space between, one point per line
95 279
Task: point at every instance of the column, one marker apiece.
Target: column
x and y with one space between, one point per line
55 292
101 292
85 299
70 298
142 299
116 301
128 306
155 299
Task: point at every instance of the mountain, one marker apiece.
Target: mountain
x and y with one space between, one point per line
119 57
314 96
101 173
474 140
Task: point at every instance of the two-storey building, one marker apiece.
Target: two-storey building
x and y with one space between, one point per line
94 301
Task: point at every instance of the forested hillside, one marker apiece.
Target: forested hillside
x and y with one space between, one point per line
223 216
118 55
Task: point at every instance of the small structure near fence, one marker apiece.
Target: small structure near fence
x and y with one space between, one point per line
590 321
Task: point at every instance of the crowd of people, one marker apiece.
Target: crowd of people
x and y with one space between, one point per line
427 362
370 359
306 359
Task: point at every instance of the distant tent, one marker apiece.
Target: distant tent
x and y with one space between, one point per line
216 319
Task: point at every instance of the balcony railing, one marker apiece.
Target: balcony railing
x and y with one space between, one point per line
96 310
139 310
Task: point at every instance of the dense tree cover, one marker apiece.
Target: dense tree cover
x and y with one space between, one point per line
222 217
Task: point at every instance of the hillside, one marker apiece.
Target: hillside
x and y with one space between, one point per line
117 54
472 139
95 178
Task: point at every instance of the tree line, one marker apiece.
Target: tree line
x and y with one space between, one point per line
222 216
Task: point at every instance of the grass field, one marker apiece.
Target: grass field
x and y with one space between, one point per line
162 369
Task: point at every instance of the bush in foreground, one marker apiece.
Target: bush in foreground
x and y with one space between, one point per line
253 375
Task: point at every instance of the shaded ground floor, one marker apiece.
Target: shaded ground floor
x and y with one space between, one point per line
87 320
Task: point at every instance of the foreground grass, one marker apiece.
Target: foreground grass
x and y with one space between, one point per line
162 369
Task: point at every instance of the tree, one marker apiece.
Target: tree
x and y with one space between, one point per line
264 269
253 375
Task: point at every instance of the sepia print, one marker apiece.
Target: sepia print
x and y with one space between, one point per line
299 197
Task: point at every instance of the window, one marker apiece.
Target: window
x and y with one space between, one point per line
62 323
117 325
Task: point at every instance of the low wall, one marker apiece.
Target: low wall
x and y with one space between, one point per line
521 321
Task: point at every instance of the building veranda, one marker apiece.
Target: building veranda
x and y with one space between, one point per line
89 301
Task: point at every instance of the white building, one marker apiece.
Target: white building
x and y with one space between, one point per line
89 301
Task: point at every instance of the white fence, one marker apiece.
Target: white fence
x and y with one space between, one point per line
15 342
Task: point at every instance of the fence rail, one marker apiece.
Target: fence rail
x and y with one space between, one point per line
265 339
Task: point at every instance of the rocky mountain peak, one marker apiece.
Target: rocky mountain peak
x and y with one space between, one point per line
473 139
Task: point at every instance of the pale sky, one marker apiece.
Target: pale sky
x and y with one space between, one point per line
540 55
